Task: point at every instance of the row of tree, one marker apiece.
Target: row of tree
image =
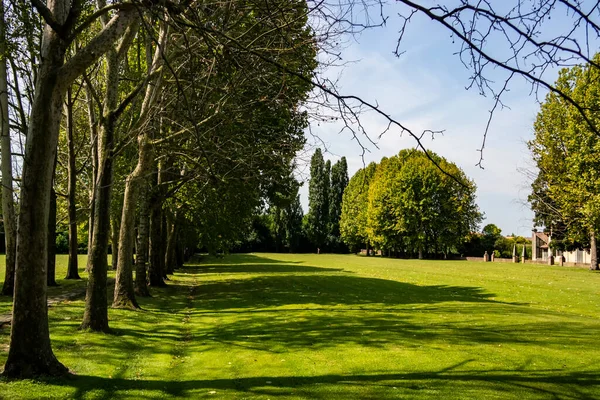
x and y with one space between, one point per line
151 126
415 203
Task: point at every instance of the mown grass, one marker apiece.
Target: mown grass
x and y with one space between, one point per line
329 326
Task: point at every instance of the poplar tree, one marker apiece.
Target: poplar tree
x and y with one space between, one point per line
339 181
318 200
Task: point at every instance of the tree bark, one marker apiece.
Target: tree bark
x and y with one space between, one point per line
170 256
72 270
95 316
114 241
8 202
593 252
94 151
51 269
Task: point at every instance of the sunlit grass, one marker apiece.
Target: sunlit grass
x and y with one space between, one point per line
331 326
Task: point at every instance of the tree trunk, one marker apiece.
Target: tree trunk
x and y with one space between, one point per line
51 269
593 252
124 291
8 202
72 270
124 296
95 316
170 256
94 151
30 353
114 241
141 256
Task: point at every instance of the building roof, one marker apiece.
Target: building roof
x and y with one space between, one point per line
543 237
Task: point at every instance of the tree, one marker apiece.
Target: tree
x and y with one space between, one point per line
415 208
566 151
355 203
318 200
30 351
339 181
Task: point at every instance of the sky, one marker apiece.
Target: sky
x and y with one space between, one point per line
425 88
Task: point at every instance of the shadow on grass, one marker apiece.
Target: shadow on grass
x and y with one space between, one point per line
236 259
274 291
547 383
258 268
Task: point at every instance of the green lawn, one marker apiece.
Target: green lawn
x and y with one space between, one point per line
337 327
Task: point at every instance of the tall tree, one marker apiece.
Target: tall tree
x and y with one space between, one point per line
30 351
566 150
339 181
415 208
318 201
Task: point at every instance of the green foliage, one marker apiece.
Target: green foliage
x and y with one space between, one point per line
62 242
339 181
413 207
317 222
566 193
355 203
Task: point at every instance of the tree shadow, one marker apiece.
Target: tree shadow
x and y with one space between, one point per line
336 289
248 268
237 259
548 383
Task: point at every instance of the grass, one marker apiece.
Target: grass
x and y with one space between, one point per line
320 327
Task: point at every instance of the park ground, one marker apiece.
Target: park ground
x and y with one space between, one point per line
279 326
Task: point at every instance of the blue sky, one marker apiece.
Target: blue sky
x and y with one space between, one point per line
425 89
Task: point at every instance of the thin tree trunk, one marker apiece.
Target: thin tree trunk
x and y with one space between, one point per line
141 257
114 241
95 316
51 269
8 202
94 151
593 252
170 257
72 270
124 291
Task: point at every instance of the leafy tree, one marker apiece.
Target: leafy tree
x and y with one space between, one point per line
317 221
339 181
566 193
415 208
